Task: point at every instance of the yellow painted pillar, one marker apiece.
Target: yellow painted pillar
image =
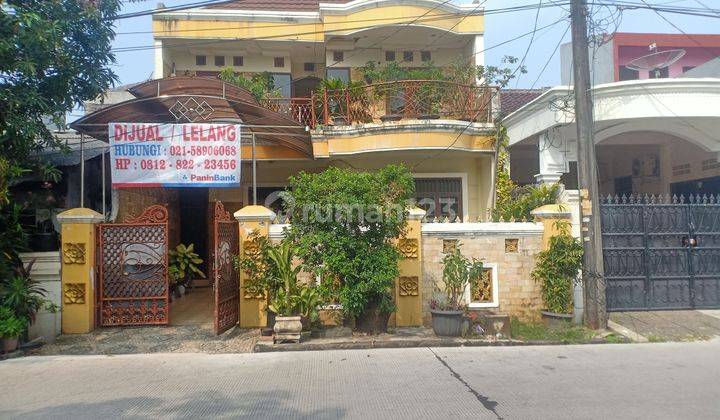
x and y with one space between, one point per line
548 215
78 269
408 286
252 219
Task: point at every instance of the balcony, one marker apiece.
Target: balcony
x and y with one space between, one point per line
389 102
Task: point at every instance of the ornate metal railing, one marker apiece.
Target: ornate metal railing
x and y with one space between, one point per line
299 109
404 99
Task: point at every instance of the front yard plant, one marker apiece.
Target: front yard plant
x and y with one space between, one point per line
184 264
448 306
557 268
344 223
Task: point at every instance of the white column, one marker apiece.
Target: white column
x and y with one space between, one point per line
159 62
552 158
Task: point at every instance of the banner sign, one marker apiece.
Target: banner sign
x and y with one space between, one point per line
174 155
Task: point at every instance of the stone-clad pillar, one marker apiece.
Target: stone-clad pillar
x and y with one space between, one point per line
408 286
78 269
252 219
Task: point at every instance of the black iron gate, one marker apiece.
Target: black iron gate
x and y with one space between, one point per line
226 278
661 252
133 270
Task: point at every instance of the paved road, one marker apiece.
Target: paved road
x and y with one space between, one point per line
670 380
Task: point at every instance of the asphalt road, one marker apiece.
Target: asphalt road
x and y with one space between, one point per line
673 380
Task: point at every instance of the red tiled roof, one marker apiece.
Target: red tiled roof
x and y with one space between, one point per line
282 5
513 99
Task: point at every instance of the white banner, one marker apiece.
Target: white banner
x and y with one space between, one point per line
174 155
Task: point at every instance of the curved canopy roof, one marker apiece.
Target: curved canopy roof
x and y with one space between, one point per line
200 100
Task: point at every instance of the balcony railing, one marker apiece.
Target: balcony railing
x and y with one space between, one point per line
299 109
389 101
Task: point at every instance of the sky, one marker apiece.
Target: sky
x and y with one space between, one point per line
138 66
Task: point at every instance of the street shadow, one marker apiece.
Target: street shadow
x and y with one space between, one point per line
206 403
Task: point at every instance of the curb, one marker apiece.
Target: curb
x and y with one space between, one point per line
628 333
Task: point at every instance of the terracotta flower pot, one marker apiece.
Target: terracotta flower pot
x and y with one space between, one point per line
10 344
287 328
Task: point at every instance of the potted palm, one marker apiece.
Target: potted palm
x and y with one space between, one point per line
11 328
285 304
448 308
556 269
184 263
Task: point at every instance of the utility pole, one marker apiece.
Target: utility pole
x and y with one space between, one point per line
592 272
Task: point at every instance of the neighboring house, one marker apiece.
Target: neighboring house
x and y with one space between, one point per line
657 145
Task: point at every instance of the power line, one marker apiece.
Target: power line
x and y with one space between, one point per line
180 7
547 63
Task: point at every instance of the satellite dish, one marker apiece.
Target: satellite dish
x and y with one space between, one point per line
656 60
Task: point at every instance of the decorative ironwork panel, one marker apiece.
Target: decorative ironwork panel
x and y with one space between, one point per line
133 270
661 252
227 280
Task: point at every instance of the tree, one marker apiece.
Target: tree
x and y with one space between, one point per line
54 54
343 224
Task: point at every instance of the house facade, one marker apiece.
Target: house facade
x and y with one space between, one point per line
657 151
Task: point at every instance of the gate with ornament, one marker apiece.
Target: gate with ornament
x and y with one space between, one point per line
661 252
133 270
226 278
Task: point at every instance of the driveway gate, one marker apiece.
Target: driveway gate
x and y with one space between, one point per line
661 252
133 270
226 278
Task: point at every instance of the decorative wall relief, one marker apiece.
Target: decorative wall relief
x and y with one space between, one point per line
74 253
449 245
408 247
511 245
74 293
408 286
483 290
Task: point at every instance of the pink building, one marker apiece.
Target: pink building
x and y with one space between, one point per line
611 58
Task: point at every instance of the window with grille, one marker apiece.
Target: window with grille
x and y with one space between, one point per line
309 66
389 55
219 60
279 61
238 61
338 56
200 60
408 56
425 56
440 197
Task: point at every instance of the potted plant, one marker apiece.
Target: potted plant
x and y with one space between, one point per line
11 328
285 304
184 264
448 309
556 269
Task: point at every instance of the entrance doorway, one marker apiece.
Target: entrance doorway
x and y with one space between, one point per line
197 305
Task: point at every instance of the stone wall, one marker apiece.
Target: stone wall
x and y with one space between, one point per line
507 248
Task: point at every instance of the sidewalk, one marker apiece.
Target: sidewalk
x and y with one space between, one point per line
671 325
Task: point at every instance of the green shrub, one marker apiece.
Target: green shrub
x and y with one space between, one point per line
557 268
343 223
11 326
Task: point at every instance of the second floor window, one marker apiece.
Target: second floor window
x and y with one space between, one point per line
425 56
279 62
408 56
628 74
238 61
338 56
389 55
219 60
309 67
200 60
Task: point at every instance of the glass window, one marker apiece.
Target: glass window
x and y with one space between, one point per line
279 62
238 61
283 82
440 197
338 56
389 55
628 74
219 60
342 74
200 60
309 66
408 56
426 56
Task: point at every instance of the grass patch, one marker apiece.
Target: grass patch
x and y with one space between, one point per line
616 339
541 332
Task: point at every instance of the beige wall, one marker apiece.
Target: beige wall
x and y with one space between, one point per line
518 294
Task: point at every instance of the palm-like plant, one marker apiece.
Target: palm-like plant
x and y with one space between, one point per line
285 302
22 294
